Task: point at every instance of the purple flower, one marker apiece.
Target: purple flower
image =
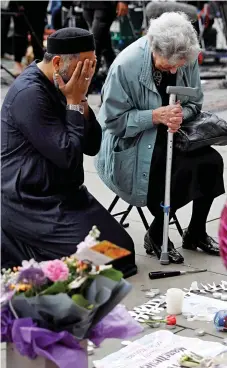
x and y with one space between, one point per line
7 320
34 276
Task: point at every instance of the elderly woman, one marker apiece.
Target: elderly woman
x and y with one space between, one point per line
135 115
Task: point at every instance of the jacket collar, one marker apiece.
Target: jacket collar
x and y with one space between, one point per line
146 77
146 73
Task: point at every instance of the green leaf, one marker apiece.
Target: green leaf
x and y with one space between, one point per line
81 301
112 274
56 288
29 293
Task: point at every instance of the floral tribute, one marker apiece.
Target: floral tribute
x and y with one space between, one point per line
49 308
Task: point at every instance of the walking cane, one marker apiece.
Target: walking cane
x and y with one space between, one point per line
173 91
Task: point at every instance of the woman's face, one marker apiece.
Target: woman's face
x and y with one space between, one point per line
163 64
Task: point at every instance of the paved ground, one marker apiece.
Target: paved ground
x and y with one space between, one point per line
216 272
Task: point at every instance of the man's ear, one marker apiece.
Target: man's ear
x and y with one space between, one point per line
56 63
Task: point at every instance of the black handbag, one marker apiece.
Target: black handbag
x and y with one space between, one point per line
206 129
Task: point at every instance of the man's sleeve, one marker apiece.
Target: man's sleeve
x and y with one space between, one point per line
118 112
194 104
93 135
59 141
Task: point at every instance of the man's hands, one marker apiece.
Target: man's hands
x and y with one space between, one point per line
122 9
76 88
171 115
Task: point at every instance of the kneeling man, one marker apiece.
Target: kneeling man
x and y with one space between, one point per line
47 127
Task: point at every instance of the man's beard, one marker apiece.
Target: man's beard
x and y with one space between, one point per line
64 76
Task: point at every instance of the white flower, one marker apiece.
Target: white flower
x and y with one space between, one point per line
77 282
28 264
88 242
94 233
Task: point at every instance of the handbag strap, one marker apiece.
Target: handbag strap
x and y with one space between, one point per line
185 80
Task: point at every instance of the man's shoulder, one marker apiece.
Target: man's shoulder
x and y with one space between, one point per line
20 95
24 87
23 81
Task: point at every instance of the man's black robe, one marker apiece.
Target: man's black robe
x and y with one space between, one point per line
46 209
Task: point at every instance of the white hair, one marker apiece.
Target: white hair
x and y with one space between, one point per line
173 37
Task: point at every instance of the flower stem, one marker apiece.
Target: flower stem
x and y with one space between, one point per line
155 321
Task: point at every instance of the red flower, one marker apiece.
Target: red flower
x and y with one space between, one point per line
171 320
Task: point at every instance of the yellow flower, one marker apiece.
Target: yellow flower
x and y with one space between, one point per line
23 287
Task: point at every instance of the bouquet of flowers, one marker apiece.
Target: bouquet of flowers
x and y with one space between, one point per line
61 302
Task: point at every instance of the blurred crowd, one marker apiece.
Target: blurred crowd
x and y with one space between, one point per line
25 25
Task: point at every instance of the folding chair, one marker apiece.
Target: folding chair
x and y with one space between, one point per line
125 214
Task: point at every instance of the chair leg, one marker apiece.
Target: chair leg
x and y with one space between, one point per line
113 204
143 218
122 220
176 222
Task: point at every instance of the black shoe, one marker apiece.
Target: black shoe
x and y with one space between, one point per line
151 248
148 244
208 244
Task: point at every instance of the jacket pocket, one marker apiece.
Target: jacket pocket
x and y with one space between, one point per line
123 169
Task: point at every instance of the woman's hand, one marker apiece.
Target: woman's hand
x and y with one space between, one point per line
171 116
78 85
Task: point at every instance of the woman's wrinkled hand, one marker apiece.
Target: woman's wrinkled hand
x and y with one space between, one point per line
171 116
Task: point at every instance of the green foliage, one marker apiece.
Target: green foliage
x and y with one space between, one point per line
81 301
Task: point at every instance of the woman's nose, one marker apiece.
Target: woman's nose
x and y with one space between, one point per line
173 70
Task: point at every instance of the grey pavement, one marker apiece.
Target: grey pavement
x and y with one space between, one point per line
215 100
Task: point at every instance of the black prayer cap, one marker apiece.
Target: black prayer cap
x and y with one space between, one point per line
70 40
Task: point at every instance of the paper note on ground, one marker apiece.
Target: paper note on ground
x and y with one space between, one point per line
203 307
161 349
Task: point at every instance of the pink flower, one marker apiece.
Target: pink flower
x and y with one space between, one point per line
56 270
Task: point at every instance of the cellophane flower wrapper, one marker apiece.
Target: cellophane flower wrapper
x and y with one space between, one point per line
117 324
61 347
219 361
60 313
7 320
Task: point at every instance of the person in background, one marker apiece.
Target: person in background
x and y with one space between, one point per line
223 235
36 12
5 25
100 15
135 115
47 127
55 10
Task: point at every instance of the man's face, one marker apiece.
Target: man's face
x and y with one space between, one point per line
66 70
164 65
